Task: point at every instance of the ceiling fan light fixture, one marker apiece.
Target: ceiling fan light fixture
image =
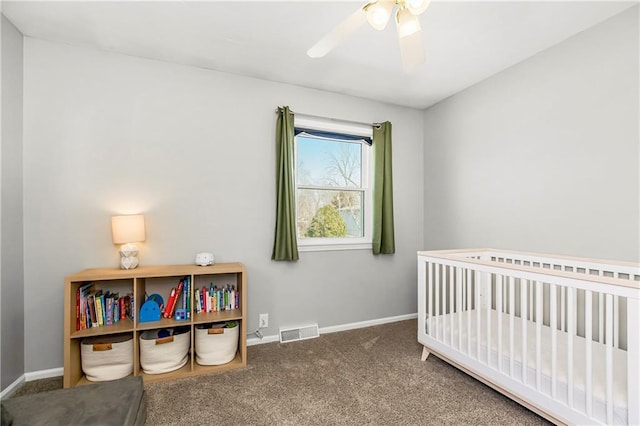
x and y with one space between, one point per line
378 13
407 23
417 7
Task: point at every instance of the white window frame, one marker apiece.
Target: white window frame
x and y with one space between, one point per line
349 243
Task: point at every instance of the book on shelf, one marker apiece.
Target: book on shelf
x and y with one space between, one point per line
216 299
98 308
97 297
91 299
175 300
187 296
167 307
82 320
109 307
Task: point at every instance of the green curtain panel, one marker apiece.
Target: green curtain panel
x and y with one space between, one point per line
383 233
285 245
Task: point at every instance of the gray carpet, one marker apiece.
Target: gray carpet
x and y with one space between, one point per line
367 376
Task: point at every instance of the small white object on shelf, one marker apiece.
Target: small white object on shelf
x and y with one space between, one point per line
204 259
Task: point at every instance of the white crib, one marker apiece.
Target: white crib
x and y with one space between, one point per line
519 323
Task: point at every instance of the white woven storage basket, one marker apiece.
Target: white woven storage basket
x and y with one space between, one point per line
107 357
216 349
162 355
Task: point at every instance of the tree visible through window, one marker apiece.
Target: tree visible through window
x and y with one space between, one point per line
331 187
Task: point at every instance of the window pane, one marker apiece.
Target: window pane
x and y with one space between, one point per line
324 162
329 213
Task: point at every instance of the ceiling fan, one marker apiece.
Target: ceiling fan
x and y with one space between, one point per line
377 13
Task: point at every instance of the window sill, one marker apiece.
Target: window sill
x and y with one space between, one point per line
334 247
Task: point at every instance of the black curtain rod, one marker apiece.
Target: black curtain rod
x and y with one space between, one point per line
339 120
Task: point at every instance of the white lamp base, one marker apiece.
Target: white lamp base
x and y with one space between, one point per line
128 256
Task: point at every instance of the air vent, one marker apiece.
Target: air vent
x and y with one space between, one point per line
299 333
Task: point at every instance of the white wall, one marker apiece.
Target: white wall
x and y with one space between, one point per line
544 155
11 245
194 150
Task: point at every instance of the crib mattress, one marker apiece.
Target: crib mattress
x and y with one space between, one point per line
440 328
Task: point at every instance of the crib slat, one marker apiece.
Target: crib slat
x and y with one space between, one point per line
459 305
571 330
499 316
437 309
616 318
468 312
588 334
563 291
553 323
633 367
430 303
538 334
450 286
489 299
478 317
609 357
531 301
601 317
512 296
524 284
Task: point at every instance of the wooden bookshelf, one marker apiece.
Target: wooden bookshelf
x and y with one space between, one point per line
149 280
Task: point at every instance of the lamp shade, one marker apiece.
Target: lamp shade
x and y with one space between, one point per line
127 228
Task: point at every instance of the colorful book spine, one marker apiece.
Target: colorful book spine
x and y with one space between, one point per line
91 301
198 305
175 300
211 295
189 298
78 309
109 310
170 301
88 313
123 310
103 306
184 294
81 306
98 303
132 307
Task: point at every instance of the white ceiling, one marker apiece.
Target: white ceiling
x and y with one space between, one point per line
465 42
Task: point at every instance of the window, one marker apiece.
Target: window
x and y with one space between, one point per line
333 191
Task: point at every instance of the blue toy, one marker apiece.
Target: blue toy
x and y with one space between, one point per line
150 310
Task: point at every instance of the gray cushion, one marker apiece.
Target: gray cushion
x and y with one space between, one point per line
5 417
119 402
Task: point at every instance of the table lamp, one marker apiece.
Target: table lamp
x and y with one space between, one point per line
128 230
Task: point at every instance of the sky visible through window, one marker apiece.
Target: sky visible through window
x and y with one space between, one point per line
324 162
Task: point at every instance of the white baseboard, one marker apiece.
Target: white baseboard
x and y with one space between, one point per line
12 388
369 323
44 374
335 328
27 377
266 339
56 372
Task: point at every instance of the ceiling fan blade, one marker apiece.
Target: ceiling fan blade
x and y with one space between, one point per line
336 35
410 39
412 51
